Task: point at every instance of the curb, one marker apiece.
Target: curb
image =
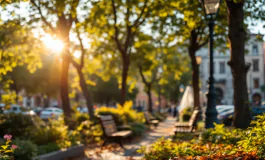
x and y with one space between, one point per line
74 151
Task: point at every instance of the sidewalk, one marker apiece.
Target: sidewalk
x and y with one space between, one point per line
113 152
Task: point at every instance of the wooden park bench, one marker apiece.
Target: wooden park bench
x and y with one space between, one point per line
148 121
110 130
187 127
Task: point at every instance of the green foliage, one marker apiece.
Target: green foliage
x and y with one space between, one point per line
17 124
122 114
186 114
90 132
8 98
16 46
81 117
55 131
221 135
26 150
47 148
138 128
253 139
125 116
7 149
216 143
43 80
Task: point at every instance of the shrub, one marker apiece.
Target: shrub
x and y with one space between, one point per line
90 132
26 150
161 149
47 148
221 135
138 129
122 114
54 132
17 124
6 148
186 114
253 139
81 117
216 143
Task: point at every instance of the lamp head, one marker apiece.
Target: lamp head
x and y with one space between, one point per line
211 7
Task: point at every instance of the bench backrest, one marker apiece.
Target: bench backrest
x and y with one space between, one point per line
108 124
193 118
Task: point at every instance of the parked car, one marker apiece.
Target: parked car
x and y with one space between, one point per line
51 112
222 108
16 109
225 114
82 109
37 110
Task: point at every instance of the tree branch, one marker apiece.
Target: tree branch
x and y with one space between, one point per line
202 44
137 21
142 75
128 13
75 64
81 45
154 76
42 16
116 38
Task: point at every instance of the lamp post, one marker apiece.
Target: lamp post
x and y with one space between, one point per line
181 88
211 8
198 60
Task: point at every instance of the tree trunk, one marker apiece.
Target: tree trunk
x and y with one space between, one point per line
64 90
125 69
150 102
237 37
195 71
159 98
86 94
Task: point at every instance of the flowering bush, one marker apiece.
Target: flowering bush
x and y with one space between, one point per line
216 143
122 114
7 149
125 115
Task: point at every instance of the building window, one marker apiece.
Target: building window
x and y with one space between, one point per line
255 65
143 103
255 50
256 83
222 67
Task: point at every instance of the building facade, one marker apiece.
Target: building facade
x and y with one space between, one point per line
223 76
142 99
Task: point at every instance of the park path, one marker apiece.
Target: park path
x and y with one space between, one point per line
114 152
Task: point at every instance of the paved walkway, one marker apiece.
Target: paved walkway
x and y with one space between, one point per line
114 152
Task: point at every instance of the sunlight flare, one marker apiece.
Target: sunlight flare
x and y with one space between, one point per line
52 43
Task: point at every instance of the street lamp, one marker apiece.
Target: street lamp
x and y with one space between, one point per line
198 60
211 8
181 88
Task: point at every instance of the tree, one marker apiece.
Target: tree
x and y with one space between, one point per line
79 68
187 26
237 12
237 38
67 15
147 61
107 91
14 48
118 24
43 80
